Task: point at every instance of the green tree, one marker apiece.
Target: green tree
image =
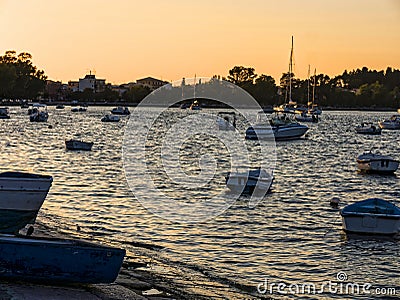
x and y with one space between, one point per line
240 75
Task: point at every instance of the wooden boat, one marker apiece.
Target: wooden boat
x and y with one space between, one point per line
371 216
58 260
78 145
21 196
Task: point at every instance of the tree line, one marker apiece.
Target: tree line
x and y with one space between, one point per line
361 88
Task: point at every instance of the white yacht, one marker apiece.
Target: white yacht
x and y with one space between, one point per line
376 163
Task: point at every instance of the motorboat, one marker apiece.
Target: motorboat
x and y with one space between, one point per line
79 109
195 105
279 127
184 105
38 113
371 216
376 163
110 118
60 106
56 260
124 111
305 117
78 145
392 123
21 196
368 128
249 181
4 113
287 108
226 120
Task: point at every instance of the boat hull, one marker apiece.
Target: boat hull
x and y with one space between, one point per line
58 260
378 166
279 133
78 145
370 224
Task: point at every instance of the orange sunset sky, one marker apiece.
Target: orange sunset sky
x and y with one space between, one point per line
124 40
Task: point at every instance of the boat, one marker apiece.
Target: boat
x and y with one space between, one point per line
78 145
184 105
110 118
60 106
55 260
392 123
38 113
306 114
4 113
124 111
376 163
306 117
250 181
368 128
226 120
79 109
371 216
280 127
22 195
195 105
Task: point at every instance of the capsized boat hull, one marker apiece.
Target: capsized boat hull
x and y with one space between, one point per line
58 260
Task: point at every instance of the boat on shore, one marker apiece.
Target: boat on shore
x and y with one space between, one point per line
368 128
250 181
78 145
123 111
56 260
376 163
21 196
371 216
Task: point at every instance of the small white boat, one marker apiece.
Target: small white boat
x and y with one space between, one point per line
78 145
123 111
226 121
250 181
392 123
21 196
371 216
38 113
376 163
280 127
4 114
110 118
368 128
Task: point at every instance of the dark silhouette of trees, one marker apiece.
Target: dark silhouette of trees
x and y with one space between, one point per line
19 78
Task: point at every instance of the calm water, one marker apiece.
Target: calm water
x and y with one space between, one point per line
293 236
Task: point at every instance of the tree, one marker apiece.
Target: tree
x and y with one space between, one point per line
240 75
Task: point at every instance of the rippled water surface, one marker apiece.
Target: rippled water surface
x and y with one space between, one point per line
291 236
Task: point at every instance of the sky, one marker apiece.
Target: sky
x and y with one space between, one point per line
125 40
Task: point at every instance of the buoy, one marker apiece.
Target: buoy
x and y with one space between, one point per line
50 126
335 202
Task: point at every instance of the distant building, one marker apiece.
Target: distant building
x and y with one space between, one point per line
151 82
73 86
91 82
53 89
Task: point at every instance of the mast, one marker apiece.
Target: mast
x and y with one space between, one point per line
313 90
290 72
194 90
308 87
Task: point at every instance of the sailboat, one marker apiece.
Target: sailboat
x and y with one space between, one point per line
313 108
195 105
308 115
280 126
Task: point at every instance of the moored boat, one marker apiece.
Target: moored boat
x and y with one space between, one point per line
368 128
38 113
110 118
371 216
21 196
78 145
4 113
226 120
123 111
58 260
247 182
195 105
376 163
392 123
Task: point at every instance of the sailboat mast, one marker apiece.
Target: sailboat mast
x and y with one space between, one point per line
308 87
290 72
194 89
313 91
